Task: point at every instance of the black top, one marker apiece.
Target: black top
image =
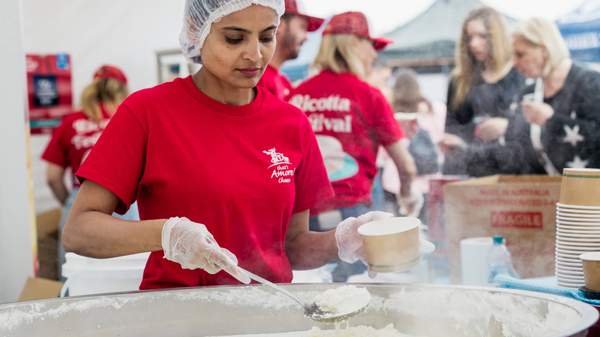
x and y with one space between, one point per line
571 137
500 99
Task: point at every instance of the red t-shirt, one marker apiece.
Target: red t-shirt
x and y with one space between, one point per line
351 120
240 170
72 140
276 83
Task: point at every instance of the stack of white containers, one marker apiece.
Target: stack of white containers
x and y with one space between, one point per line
577 224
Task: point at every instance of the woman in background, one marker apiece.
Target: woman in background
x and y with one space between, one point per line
72 141
567 112
413 112
351 120
482 96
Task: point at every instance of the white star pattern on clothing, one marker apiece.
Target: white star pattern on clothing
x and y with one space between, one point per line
577 163
572 135
573 115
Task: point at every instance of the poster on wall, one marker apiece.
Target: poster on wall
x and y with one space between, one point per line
172 64
48 90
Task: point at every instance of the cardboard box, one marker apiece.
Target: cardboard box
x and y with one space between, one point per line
47 243
520 208
40 288
47 223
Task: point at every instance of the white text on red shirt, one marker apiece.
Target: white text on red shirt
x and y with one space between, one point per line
321 123
330 103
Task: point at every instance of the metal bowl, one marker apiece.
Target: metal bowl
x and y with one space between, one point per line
421 310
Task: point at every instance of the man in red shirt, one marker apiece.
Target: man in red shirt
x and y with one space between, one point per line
291 35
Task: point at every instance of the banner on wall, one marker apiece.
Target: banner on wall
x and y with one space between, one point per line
49 90
583 40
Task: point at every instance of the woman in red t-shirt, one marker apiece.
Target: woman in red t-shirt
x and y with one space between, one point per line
350 117
351 120
77 134
223 172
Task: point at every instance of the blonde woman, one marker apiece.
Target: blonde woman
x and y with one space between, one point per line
352 118
78 132
482 96
569 112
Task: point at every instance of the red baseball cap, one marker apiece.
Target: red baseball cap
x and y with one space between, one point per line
314 23
354 23
110 71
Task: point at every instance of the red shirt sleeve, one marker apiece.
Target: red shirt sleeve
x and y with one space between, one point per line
56 151
384 124
117 159
312 184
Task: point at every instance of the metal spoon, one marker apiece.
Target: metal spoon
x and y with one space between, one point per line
311 310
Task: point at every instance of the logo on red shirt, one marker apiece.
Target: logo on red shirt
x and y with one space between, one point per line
281 166
87 133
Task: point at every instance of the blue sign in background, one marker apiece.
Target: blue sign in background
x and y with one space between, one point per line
62 61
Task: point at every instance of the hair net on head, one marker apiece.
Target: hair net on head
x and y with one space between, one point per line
201 14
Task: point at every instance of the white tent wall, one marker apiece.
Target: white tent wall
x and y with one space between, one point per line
17 229
124 33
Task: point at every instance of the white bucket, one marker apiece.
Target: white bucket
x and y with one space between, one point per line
87 276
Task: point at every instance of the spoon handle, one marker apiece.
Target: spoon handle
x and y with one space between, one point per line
272 285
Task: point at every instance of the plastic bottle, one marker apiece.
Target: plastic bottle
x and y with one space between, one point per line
499 260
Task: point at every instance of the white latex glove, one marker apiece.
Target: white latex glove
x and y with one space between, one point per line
192 246
349 242
411 205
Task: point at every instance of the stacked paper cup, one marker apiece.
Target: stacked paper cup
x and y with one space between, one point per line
577 223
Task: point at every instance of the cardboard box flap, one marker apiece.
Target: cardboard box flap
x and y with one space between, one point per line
536 179
497 179
40 288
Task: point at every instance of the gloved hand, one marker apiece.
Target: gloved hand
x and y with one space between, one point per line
349 242
192 246
411 205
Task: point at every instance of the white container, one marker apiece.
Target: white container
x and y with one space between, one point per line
87 276
474 266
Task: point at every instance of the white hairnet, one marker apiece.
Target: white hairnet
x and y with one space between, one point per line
200 15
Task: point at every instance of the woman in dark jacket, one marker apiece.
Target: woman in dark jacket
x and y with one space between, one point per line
559 129
482 97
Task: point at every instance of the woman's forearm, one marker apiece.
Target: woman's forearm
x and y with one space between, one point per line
92 231
59 190
100 235
405 165
55 177
309 250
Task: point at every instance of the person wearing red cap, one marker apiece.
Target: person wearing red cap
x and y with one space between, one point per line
351 120
73 139
291 35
